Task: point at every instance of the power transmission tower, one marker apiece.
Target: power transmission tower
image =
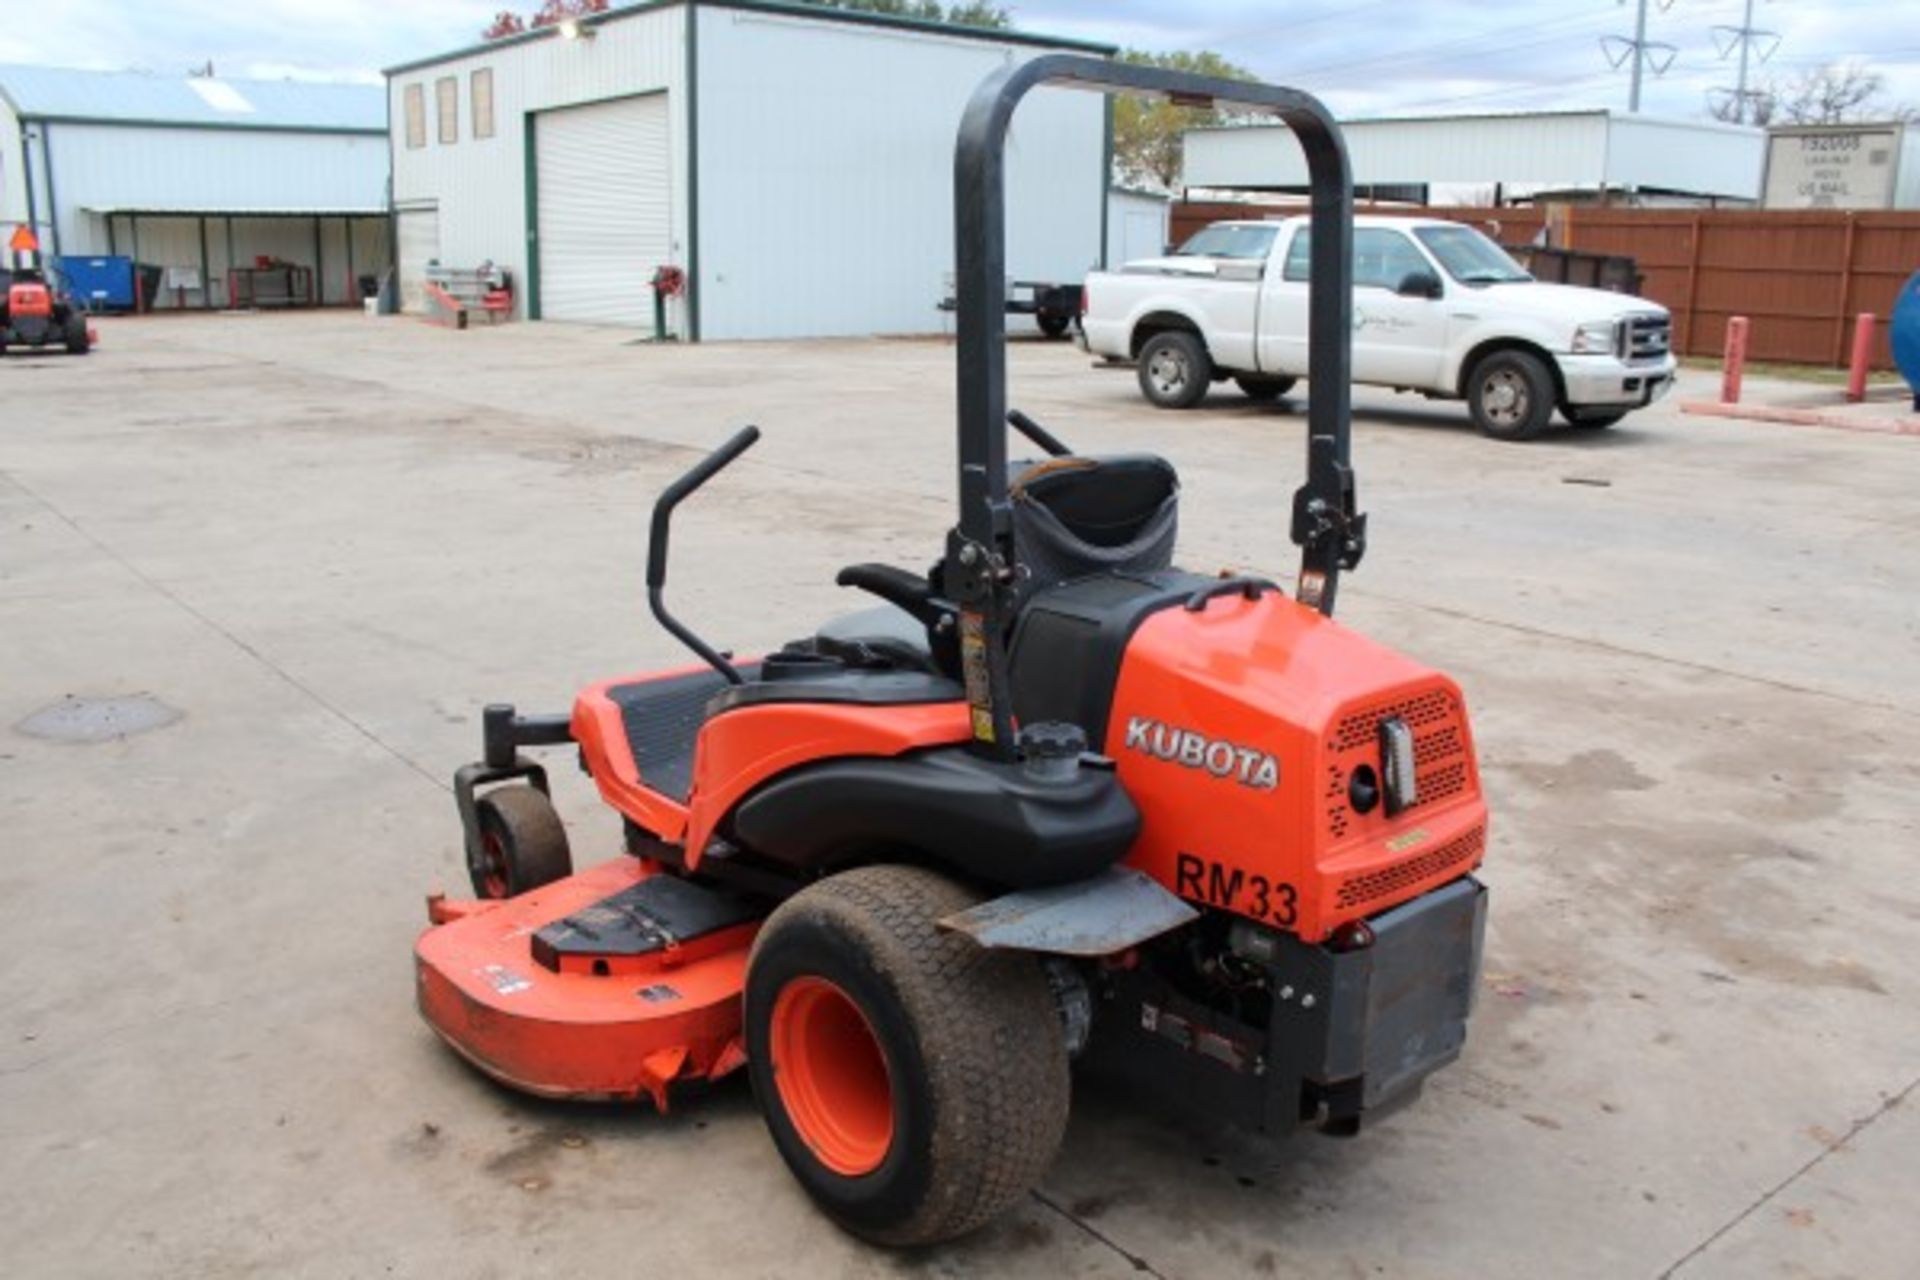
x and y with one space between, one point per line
1754 45
1641 51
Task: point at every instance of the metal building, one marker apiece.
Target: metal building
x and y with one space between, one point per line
794 162
1138 224
1595 152
198 176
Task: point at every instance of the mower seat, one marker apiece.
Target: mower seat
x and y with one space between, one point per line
1074 517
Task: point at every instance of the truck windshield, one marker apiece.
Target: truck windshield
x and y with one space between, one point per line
1229 242
1470 257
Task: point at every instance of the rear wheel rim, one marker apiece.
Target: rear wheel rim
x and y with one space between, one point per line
493 865
1505 398
1168 369
832 1076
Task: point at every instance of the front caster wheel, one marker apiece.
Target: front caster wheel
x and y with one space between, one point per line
521 843
915 1083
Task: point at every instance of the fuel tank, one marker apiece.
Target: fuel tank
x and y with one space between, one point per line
1286 768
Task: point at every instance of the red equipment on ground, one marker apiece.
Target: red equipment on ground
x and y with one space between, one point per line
32 315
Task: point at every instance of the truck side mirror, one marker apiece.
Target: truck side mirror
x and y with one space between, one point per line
1419 284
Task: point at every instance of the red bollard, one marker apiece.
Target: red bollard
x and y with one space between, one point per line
1862 353
1734 363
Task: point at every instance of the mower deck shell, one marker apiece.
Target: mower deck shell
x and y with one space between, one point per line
663 1018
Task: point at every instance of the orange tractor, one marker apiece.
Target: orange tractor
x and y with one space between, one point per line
31 313
1053 799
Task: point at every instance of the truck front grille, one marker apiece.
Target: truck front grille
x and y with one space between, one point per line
1646 337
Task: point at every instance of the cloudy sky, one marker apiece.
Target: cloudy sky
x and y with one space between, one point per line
1366 57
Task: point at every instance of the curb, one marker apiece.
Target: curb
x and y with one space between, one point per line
1803 418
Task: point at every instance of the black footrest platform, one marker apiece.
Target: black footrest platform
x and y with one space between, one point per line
661 912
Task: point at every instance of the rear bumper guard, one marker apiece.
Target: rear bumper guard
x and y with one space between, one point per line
1352 1034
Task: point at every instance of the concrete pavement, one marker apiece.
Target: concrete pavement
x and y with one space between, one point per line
326 540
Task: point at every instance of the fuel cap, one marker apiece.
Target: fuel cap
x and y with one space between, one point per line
1052 748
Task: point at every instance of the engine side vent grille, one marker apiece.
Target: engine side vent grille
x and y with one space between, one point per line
1439 752
1371 886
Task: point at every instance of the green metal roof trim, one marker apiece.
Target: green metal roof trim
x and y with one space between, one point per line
134 97
787 7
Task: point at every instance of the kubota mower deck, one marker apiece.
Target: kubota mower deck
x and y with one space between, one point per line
613 983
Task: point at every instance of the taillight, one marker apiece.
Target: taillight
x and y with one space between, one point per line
1083 300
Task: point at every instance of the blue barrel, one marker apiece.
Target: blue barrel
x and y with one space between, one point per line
1906 335
99 283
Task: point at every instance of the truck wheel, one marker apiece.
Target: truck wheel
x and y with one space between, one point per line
521 843
1051 324
1510 395
1256 387
75 331
914 1083
1594 421
1175 369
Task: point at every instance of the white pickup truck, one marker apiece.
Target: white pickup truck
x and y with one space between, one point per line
1437 308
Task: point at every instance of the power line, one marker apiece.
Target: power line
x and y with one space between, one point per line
1491 42
1642 52
1750 41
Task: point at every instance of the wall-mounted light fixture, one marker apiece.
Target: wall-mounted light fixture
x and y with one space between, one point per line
574 29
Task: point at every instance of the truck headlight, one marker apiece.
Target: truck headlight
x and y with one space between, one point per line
1596 338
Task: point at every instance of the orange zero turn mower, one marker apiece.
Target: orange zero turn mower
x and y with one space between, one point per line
33 315
1052 800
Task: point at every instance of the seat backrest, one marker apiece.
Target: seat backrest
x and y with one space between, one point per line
1078 516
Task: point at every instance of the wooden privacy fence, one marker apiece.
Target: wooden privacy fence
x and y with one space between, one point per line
1801 276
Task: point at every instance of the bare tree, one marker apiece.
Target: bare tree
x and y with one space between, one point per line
1831 93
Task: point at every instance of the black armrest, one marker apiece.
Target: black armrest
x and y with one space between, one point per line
910 591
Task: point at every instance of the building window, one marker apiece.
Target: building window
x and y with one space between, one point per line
416 116
481 91
446 92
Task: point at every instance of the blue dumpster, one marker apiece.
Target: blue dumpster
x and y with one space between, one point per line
1906 336
99 283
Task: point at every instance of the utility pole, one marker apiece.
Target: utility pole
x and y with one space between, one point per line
1643 52
1747 38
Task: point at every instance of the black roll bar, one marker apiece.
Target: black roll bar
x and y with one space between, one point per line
980 571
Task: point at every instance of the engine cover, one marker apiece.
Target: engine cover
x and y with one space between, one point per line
1248 732
28 301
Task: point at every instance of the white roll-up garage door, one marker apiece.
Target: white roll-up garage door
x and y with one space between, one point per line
419 238
605 209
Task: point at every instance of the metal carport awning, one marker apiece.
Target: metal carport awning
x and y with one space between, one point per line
228 214
229 211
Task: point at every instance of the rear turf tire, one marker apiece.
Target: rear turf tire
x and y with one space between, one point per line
1175 369
1052 324
75 332
852 992
522 843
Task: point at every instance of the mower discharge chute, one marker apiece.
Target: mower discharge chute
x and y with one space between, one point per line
1054 799
32 313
